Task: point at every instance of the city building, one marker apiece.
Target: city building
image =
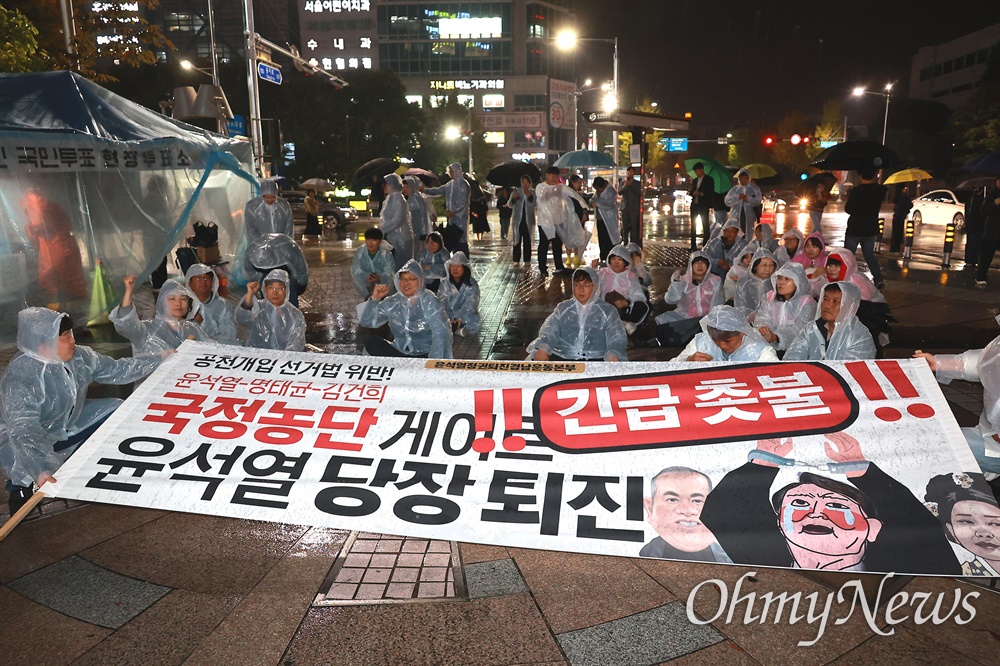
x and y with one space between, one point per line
951 72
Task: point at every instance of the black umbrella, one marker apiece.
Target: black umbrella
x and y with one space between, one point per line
372 171
987 163
856 156
428 178
509 174
476 192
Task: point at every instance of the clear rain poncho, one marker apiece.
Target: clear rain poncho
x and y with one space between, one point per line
461 302
606 205
163 332
979 365
420 219
638 268
522 204
217 314
433 263
738 206
750 288
272 251
786 317
850 340
849 273
269 327
693 301
262 218
394 220
738 271
43 399
419 325
556 215
456 199
727 318
716 250
625 283
782 254
766 240
364 264
588 331
815 264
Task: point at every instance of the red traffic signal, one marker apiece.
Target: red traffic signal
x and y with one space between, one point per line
768 140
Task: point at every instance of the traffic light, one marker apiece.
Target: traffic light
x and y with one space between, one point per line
795 139
768 140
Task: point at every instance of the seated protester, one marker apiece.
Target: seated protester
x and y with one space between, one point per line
752 287
459 296
582 328
737 272
272 251
44 413
726 336
216 315
395 220
420 328
621 288
694 292
638 268
764 235
837 335
791 246
812 256
724 250
432 259
842 266
172 325
273 322
786 311
372 264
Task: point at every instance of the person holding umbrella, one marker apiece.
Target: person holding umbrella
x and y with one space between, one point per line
702 195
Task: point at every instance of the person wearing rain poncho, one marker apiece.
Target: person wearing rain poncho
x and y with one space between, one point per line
743 199
606 204
727 336
739 270
267 213
726 248
977 365
784 312
394 220
420 328
813 255
272 251
372 264
790 248
432 259
273 322
459 296
522 204
44 413
420 219
456 200
752 286
695 292
216 315
763 236
558 223
837 334
176 307
638 268
582 328
621 288
842 266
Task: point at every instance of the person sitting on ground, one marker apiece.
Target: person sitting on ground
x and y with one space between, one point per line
420 219
727 336
695 292
44 413
621 288
459 296
272 251
638 268
432 259
419 325
837 335
216 315
784 312
842 266
273 322
582 328
813 256
764 235
791 246
724 250
395 221
372 264
752 287
176 307
737 272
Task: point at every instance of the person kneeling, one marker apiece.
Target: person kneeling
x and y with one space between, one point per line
272 322
582 328
837 335
420 328
727 336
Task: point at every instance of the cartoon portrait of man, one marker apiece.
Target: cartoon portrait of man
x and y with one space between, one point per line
869 523
676 498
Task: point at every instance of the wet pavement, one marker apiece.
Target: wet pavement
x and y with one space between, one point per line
88 583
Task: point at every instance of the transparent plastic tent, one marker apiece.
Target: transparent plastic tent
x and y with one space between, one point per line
94 187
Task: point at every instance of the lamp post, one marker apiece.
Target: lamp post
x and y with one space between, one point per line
859 91
210 97
567 40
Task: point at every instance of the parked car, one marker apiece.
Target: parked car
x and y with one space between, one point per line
334 211
940 207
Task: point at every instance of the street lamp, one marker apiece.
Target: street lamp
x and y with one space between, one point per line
567 41
188 65
453 132
859 91
210 101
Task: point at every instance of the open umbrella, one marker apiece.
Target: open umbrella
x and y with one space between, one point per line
987 163
509 173
855 156
368 173
318 184
714 170
825 177
976 183
760 171
428 178
907 176
579 159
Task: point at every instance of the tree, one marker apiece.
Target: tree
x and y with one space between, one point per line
975 128
783 151
831 127
19 43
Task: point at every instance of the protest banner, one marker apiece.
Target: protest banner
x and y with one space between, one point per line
809 465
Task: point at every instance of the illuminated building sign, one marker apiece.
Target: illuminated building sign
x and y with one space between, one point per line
338 6
470 28
493 101
494 137
415 99
339 34
463 84
521 157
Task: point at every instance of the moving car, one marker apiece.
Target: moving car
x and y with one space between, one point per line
940 207
334 211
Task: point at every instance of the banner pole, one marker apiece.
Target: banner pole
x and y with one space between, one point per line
21 514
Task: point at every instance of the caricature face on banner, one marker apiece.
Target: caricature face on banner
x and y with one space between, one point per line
807 465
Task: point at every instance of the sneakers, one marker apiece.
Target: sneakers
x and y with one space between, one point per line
629 327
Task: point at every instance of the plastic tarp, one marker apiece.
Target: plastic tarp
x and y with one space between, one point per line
87 176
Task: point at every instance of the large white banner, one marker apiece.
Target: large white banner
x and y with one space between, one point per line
811 465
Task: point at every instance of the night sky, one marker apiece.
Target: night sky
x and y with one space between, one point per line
736 62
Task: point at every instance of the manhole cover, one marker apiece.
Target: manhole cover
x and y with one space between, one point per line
380 569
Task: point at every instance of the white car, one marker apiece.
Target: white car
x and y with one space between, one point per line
939 207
